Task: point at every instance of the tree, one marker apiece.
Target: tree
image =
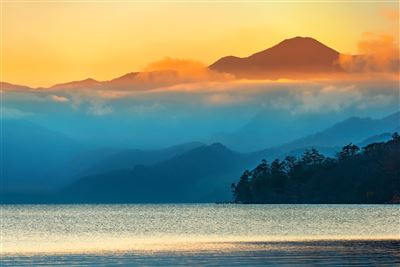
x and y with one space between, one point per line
312 157
278 175
348 151
260 182
395 137
261 169
371 148
369 176
242 191
290 163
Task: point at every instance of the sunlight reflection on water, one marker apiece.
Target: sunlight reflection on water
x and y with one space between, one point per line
76 234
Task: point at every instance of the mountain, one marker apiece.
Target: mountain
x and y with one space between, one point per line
191 172
129 158
83 84
271 129
351 130
35 158
123 80
378 138
144 80
202 174
38 159
14 87
355 130
130 81
297 57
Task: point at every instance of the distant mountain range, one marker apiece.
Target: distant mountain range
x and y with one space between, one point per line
129 158
299 57
34 157
269 129
379 138
191 172
355 130
37 159
198 175
14 87
129 81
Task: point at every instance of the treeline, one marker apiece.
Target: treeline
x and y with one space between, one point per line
355 175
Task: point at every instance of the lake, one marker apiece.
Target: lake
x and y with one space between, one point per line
200 234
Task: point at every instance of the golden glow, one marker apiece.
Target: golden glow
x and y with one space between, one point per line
172 244
48 43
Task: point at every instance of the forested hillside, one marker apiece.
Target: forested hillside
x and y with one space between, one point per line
356 175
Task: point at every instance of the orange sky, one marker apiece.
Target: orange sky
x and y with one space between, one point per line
48 43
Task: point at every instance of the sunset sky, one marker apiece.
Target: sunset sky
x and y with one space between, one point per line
48 43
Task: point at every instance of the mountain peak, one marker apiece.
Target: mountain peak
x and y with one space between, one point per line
300 43
215 149
89 82
299 39
291 58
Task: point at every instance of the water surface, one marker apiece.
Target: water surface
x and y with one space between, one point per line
200 234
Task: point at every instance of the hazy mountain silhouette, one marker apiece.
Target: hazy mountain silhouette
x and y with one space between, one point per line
40 159
268 129
199 175
378 138
123 80
292 58
144 80
87 83
129 158
14 87
352 130
186 173
331 151
355 130
298 57
130 81
35 158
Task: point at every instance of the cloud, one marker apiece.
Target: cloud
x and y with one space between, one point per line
225 99
60 99
146 108
377 53
391 14
327 99
13 113
181 65
99 109
183 70
356 91
320 96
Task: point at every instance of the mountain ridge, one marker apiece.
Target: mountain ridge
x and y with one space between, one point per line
192 172
298 57
208 169
353 129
